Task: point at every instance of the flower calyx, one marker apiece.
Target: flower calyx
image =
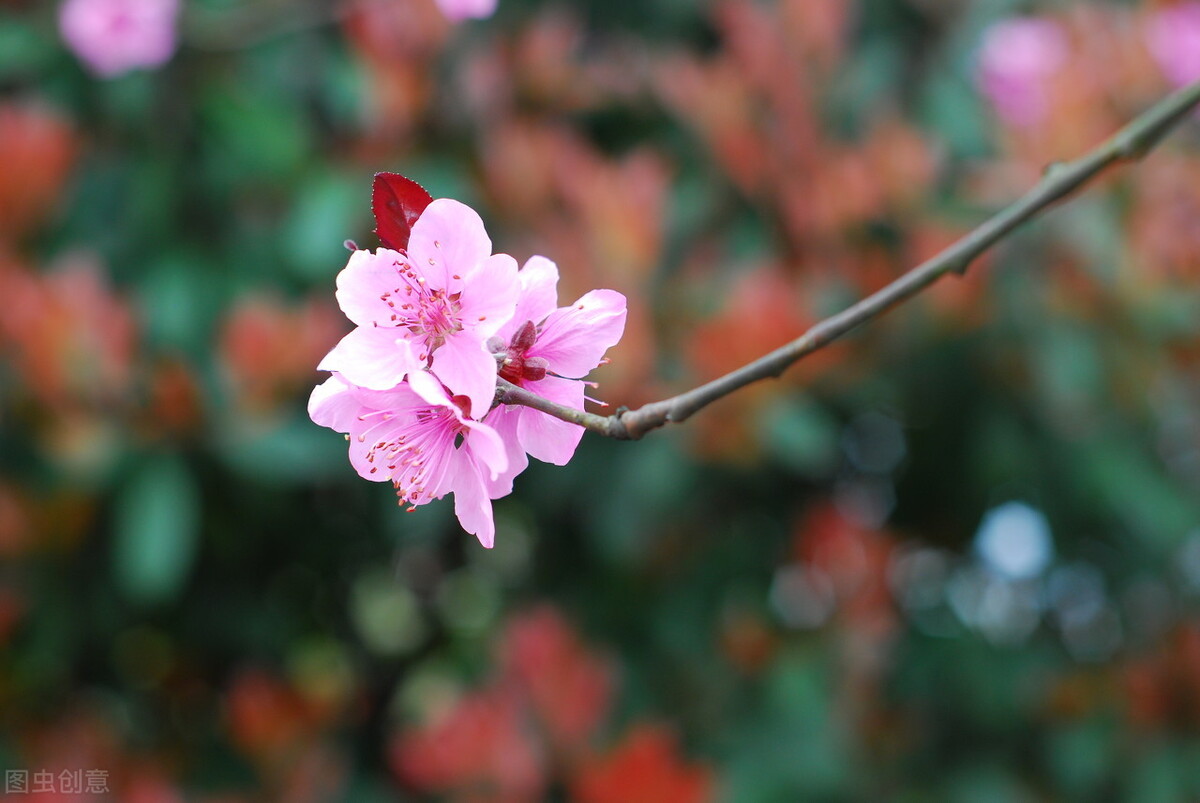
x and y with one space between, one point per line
514 362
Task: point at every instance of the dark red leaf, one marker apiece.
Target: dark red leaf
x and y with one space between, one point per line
397 202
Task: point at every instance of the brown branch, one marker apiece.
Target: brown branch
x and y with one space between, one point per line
610 425
1129 144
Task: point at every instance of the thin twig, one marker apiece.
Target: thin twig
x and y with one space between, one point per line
1129 144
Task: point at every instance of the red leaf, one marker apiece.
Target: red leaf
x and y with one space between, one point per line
645 768
397 202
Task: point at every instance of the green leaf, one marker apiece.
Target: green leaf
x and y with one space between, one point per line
1133 486
253 135
23 47
176 299
950 107
1080 757
284 452
801 435
330 209
157 518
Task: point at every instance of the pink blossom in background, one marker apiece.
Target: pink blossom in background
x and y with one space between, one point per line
459 10
433 307
416 437
1173 36
112 37
1016 60
548 350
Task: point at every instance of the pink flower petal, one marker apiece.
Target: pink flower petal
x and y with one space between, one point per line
547 438
363 282
490 295
467 369
539 295
487 447
481 440
439 473
372 357
401 416
426 387
400 397
448 240
369 433
333 405
573 339
471 503
504 420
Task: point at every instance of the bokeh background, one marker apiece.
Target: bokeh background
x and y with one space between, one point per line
954 557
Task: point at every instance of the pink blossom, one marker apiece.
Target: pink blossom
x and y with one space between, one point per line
548 351
459 10
1173 36
1016 60
433 307
437 318
115 36
417 437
